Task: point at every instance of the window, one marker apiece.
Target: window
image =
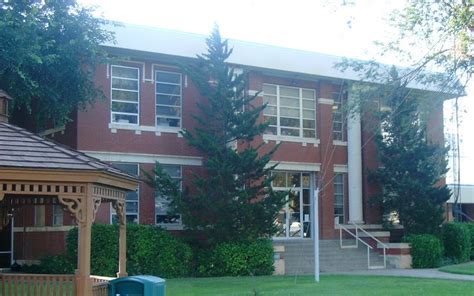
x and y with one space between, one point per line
125 94
339 197
40 215
58 215
162 203
168 99
338 115
290 111
294 219
133 197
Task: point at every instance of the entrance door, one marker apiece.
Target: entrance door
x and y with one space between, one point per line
6 246
293 220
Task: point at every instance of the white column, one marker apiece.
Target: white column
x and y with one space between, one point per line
354 163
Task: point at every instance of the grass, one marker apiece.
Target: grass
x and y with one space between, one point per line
305 285
465 268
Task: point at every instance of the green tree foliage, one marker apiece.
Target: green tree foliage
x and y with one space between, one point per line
49 51
232 200
411 166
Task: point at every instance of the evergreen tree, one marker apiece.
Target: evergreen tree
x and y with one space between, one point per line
411 166
232 199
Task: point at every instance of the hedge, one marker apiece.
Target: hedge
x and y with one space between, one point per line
470 226
457 241
237 259
150 250
426 251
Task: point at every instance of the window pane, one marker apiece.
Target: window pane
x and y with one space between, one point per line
168 89
123 95
174 122
271 100
271 120
306 180
309 114
309 123
168 100
337 126
309 134
271 130
168 77
295 179
173 170
125 107
124 72
269 89
290 102
290 132
124 84
308 104
280 179
171 111
270 110
291 92
290 122
122 118
290 112
308 94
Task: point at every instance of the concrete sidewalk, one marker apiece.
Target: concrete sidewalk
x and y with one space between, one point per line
431 273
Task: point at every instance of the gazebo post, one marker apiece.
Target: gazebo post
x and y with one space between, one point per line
120 209
83 272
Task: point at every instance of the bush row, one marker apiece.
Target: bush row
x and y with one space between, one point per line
456 244
154 251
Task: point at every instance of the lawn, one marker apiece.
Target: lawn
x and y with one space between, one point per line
305 285
465 268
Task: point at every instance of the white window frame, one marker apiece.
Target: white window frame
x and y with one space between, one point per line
180 118
120 101
335 203
338 108
112 210
301 128
180 223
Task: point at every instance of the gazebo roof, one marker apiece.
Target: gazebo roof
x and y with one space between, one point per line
22 149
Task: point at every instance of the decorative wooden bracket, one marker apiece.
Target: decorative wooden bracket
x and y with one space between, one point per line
74 206
96 203
119 207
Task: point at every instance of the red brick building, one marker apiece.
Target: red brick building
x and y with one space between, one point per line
149 100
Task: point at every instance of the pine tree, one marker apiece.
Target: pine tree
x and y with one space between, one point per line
411 166
233 199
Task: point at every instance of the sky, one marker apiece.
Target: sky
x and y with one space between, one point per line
323 26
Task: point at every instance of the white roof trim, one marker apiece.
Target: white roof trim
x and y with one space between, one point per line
182 44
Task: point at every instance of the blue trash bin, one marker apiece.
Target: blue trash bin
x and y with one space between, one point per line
139 285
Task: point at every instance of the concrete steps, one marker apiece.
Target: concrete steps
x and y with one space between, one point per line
299 257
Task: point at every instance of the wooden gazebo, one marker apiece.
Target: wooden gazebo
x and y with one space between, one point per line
36 171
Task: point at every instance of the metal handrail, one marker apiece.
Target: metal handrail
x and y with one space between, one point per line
369 247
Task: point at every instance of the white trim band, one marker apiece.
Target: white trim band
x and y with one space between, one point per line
44 228
145 128
296 166
340 168
324 101
145 158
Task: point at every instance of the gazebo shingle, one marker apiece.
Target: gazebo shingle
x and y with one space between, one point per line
20 148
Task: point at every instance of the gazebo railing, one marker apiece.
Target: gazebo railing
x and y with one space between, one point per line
100 285
37 284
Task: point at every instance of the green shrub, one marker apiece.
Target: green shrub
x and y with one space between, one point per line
426 251
457 242
237 259
58 264
470 226
150 250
